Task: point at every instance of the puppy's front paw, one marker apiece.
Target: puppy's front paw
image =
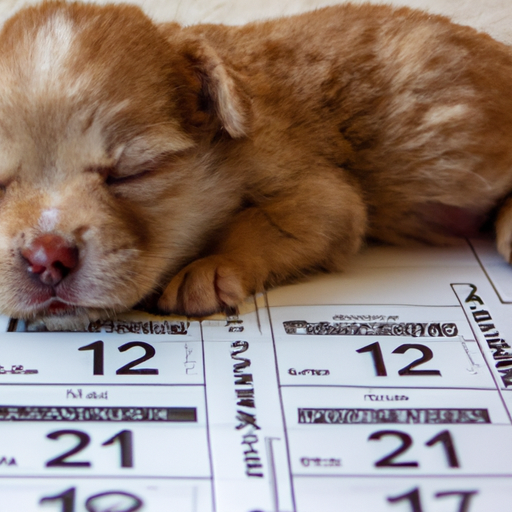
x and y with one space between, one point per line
206 286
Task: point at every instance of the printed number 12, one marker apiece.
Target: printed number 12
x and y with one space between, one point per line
380 368
98 351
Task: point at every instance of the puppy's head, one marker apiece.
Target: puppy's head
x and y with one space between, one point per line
104 168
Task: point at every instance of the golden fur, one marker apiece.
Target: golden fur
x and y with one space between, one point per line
209 162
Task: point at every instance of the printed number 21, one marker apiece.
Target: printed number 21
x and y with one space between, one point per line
380 368
98 351
124 438
444 438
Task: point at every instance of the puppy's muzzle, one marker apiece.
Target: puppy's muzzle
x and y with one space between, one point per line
51 258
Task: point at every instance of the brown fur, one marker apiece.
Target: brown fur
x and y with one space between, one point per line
211 162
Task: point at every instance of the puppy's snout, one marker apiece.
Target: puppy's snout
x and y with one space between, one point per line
51 258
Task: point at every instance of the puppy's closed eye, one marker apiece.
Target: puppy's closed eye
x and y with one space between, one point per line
113 178
126 172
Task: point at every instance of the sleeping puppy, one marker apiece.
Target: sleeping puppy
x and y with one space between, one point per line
210 162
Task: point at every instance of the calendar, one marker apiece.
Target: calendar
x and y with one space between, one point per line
387 387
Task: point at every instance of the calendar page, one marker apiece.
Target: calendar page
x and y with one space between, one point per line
384 388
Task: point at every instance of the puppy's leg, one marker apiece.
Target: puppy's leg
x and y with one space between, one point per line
317 224
504 230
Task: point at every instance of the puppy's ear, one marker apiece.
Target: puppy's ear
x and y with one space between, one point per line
218 93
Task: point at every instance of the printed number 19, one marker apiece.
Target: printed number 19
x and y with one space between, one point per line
68 500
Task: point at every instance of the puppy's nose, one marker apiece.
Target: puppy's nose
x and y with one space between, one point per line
51 258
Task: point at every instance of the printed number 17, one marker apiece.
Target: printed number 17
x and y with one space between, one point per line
414 499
